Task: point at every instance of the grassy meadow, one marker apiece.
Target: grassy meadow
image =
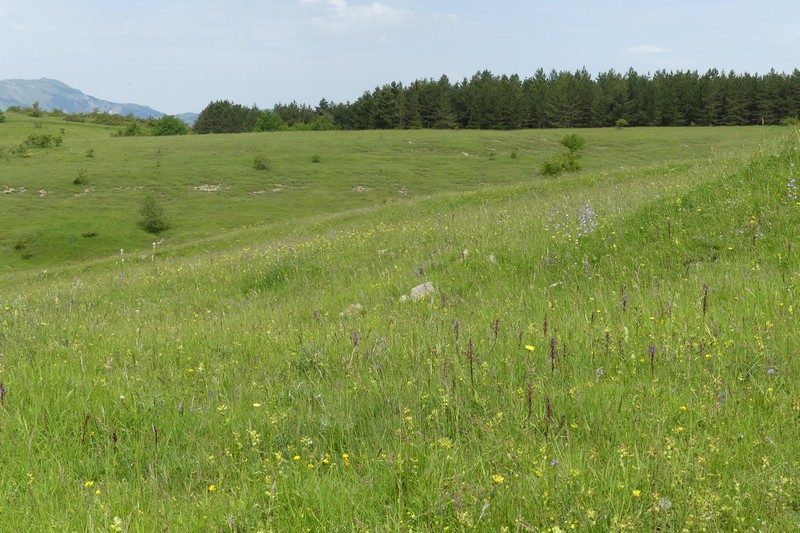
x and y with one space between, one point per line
610 350
208 185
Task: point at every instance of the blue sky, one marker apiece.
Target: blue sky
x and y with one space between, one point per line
178 55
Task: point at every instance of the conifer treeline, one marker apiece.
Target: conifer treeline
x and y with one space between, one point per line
563 100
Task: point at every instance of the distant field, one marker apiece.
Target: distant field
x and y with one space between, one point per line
208 184
610 350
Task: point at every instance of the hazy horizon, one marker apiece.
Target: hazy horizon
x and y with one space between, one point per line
177 56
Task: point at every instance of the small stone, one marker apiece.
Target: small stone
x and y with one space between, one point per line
352 309
420 291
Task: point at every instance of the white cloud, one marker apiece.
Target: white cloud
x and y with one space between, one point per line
449 18
339 16
644 50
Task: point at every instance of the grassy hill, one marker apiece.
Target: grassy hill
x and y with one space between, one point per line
208 184
610 350
52 94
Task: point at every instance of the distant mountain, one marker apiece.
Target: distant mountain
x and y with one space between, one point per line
53 94
188 118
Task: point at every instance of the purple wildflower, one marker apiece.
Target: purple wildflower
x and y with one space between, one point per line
791 189
587 220
652 357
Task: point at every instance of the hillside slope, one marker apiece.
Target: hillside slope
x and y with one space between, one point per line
208 184
53 94
608 351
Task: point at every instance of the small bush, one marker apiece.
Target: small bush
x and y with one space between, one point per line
108 119
621 123
573 142
41 140
2 117
790 121
170 125
262 162
153 218
23 247
81 177
269 121
559 163
90 153
514 152
315 158
132 130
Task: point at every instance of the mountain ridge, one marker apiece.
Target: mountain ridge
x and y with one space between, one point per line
53 94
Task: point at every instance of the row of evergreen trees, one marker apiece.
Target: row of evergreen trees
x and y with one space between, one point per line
555 100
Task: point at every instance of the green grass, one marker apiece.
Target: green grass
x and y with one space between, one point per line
208 185
610 350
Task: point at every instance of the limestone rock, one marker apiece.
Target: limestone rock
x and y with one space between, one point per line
420 291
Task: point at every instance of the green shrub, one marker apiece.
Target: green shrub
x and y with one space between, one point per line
170 125
559 163
315 158
80 179
153 218
621 123
108 119
41 140
573 142
132 130
262 162
269 121
562 162
22 245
